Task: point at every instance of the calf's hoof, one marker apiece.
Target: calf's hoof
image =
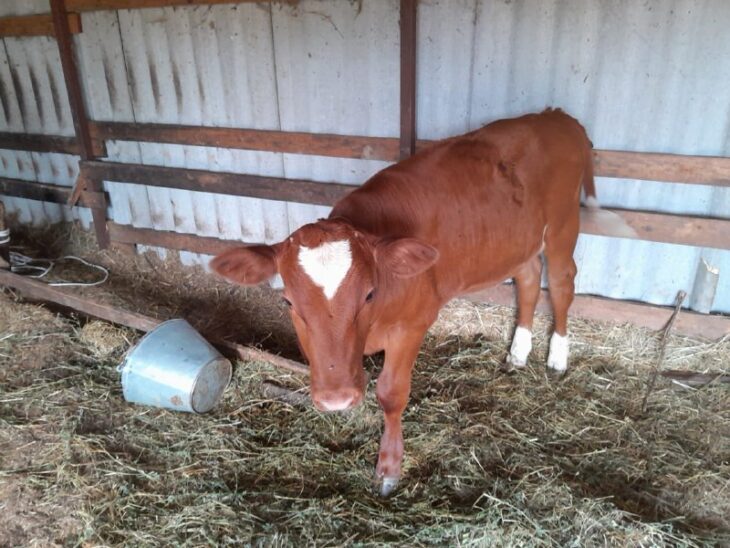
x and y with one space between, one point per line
520 349
558 354
387 485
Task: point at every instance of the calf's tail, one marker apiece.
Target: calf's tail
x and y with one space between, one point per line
597 220
589 185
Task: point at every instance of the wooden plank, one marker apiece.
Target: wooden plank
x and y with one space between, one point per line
408 20
234 184
40 291
614 311
36 25
661 227
72 78
673 168
36 142
35 290
707 170
251 354
127 234
320 144
96 5
32 190
655 227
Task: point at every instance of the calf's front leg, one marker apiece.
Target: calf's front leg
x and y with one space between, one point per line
393 390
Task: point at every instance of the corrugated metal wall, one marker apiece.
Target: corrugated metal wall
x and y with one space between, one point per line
34 100
644 76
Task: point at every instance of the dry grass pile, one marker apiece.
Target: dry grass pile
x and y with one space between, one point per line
491 458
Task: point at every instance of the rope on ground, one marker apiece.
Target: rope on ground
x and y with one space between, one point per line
40 268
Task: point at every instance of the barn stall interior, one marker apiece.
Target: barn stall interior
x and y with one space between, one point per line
179 130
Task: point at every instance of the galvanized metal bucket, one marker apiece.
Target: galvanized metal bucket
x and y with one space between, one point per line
174 367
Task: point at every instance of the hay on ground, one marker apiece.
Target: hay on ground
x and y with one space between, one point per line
491 458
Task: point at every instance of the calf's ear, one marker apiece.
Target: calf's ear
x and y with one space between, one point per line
246 265
405 257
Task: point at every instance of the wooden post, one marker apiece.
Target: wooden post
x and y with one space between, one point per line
72 78
408 16
4 240
705 287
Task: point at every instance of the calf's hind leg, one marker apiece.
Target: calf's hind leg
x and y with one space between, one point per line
527 280
559 247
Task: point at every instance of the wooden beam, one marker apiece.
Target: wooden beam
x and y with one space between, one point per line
614 311
36 25
657 227
35 142
41 291
35 290
127 234
34 191
673 168
705 170
320 144
42 192
234 184
72 78
96 5
408 37
660 227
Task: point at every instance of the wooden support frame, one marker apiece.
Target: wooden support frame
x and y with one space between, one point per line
72 78
291 142
671 168
35 142
234 184
408 46
656 227
36 25
35 290
126 234
32 190
665 228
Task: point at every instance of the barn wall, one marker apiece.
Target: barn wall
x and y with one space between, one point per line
34 100
642 76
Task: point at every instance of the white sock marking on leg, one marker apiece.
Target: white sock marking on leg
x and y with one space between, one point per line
558 355
521 346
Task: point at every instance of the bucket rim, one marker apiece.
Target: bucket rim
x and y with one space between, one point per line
197 379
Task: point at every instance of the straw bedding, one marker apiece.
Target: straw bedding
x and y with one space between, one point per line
492 458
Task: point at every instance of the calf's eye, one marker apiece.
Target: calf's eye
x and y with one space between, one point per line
370 296
286 301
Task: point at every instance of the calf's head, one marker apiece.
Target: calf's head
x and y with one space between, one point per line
336 281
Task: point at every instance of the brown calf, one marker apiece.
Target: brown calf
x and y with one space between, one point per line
464 214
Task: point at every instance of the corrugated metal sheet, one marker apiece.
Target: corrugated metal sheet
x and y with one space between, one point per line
33 96
645 76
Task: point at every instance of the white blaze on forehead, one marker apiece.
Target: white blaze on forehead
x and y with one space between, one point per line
327 265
